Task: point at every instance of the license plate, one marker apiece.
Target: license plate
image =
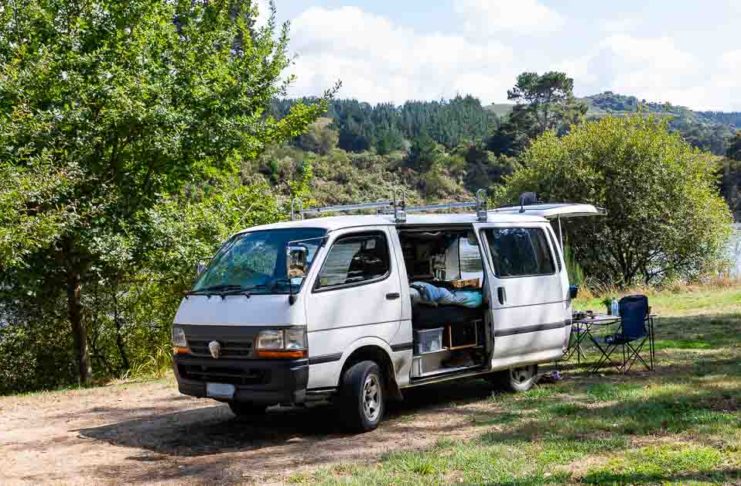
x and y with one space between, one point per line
220 390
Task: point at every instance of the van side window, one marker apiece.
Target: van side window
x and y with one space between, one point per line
355 259
518 252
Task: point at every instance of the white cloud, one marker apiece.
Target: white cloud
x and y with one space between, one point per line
728 72
660 52
656 69
619 24
649 68
485 18
379 61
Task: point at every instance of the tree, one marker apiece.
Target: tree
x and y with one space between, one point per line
109 106
664 215
543 102
734 147
484 169
320 138
514 134
730 184
550 99
424 153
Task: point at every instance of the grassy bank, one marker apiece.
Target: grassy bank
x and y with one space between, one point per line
678 425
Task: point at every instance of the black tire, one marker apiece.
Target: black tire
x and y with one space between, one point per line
247 410
519 379
362 397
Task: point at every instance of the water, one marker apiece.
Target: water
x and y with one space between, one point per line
734 250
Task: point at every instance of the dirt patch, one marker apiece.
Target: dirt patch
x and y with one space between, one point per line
148 433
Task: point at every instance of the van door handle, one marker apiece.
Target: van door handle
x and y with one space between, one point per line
393 296
501 295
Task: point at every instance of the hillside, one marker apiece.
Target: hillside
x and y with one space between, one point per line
614 104
443 150
709 130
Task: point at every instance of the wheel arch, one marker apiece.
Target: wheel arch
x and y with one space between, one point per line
379 352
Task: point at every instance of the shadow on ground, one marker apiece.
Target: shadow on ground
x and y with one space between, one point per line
214 430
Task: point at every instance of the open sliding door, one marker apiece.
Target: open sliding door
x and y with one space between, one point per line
527 290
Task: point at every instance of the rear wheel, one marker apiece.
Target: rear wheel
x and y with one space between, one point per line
246 409
516 379
362 397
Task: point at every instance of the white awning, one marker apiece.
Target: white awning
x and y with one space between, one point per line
553 211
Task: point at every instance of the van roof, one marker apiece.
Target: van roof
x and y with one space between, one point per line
331 223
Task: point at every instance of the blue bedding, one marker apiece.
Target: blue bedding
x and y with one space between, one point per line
426 293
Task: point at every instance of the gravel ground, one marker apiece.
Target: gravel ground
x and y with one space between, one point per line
149 433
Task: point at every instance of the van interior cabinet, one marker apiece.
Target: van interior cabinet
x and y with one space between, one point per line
464 335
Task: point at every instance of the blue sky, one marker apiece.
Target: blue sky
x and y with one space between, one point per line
683 52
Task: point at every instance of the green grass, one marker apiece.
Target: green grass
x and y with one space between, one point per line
678 425
707 300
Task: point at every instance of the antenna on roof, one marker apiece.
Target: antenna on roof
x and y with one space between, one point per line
296 202
400 204
481 213
526 199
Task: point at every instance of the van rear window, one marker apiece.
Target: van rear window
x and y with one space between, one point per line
519 252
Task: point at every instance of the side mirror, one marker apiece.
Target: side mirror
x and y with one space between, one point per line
296 261
573 291
200 267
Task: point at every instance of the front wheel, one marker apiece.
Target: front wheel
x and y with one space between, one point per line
362 400
516 379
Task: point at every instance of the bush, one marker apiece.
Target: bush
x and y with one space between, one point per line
664 215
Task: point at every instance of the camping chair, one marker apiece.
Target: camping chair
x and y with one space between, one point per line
635 331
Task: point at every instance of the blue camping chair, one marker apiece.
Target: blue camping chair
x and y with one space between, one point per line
635 331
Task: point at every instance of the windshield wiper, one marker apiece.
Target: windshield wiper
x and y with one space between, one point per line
246 291
215 289
229 289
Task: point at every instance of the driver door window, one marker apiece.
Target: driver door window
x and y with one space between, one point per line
355 260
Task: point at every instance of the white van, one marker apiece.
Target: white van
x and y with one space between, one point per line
356 308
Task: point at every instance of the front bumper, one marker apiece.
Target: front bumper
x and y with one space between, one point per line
258 381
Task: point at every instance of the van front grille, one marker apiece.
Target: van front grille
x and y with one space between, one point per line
229 349
224 374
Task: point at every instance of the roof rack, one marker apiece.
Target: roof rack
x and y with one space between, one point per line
396 206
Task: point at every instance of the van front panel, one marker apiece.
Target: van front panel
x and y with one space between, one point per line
238 310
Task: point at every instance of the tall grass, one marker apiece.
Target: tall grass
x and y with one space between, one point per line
573 269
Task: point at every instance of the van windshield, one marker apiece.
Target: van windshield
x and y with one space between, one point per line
255 262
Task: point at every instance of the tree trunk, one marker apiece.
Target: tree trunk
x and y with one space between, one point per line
119 337
79 332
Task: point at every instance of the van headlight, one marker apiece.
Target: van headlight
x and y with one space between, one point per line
178 337
281 343
295 338
270 340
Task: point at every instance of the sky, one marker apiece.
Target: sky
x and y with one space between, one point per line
683 52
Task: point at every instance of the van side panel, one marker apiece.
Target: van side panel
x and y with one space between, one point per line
330 348
340 318
527 312
528 329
